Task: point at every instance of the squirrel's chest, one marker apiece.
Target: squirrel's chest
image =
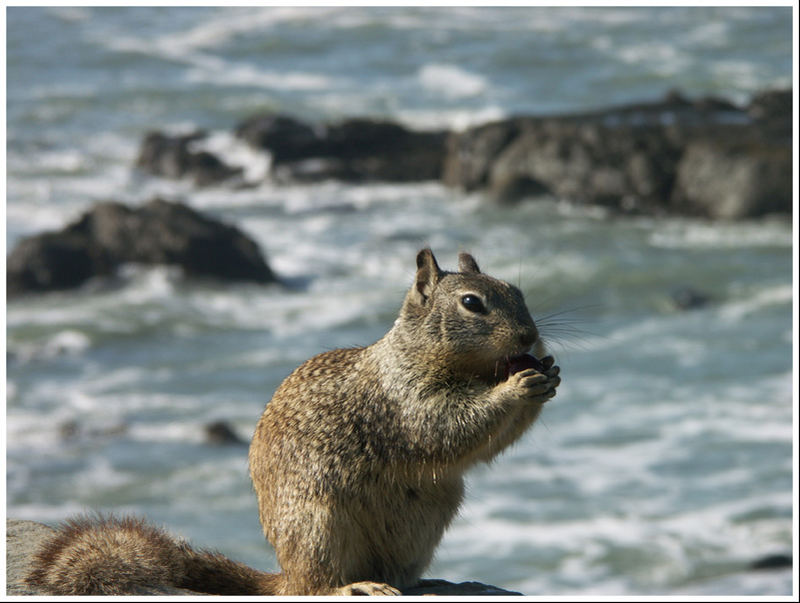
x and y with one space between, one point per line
403 522
401 505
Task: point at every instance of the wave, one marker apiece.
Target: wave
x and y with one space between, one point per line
694 234
452 81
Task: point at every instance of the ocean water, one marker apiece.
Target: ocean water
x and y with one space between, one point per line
664 464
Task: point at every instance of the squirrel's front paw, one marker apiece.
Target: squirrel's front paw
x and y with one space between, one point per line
532 386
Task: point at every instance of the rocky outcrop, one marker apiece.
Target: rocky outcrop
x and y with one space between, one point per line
721 178
23 538
353 150
582 162
111 234
704 157
172 157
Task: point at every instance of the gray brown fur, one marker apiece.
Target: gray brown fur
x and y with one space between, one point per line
358 459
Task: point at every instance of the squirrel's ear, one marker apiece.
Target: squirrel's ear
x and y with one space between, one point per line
467 263
428 274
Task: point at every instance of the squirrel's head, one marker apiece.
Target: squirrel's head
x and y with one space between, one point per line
469 320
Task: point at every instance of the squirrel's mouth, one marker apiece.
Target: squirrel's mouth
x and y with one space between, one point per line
514 364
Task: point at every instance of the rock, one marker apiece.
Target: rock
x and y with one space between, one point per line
286 138
705 157
23 538
52 261
586 162
770 562
111 234
219 433
470 154
688 298
733 177
351 150
445 588
171 157
772 110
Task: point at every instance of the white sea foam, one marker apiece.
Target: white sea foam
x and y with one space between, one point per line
60 161
35 216
735 311
708 33
242 74
585 547
664 59
67 342
172 431
100 474
194 48
237 153
452 81
457 119
739 74
679 233
229 23
71 13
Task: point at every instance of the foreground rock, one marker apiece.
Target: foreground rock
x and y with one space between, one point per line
24 537
111 234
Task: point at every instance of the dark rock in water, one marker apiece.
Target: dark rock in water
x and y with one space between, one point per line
587 162
111 234
705 157
687 298
517 188
734 174
772 562
286 138
773 111
351 150
702 157
52 261
470 154
171 157
220 433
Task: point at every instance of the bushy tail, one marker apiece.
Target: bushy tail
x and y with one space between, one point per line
115 556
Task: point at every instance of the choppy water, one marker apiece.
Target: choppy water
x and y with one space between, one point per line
663 466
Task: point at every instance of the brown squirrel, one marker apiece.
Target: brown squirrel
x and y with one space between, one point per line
358 459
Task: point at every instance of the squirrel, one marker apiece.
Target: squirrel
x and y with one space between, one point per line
357 460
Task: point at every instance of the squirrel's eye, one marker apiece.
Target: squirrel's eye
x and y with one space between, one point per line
472 303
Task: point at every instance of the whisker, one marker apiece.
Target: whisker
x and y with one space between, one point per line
569 311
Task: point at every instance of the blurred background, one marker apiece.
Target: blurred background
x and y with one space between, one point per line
663 466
